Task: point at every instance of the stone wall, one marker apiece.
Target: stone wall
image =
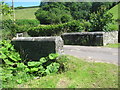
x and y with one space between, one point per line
33 48
110 37
90 38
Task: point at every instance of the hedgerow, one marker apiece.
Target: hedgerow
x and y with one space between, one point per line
11 28
51 30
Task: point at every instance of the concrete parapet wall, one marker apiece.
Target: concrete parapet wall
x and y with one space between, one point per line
33 48
90 38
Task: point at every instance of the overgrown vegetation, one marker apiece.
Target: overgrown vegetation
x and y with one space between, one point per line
99 20
10 28
13 67
68 10
79 74
91 20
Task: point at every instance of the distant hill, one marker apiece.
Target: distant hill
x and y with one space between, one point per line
28 12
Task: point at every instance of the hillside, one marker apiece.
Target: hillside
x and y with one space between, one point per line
27 13
115 11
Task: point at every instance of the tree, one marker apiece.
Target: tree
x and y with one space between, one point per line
53 13
79 10
100 19
6 10
61 12
96 5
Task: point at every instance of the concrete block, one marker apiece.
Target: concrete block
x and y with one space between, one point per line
33 48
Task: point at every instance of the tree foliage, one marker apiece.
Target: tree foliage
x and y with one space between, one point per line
61 12
99 20
5 9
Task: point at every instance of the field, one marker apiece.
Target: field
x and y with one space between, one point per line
27 13
115 11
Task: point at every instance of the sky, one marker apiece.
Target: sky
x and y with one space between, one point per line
24 3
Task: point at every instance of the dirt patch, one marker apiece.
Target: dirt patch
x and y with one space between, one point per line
63 83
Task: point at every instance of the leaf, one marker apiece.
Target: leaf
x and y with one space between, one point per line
33 69
31 64
13 58
21 66
19 81
53 56
3 56
27 70
52 68
11 68
8 62
3 49
43 60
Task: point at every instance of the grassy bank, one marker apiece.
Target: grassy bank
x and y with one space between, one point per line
115 11
80 74
116 45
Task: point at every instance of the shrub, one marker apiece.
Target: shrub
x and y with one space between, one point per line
100 20
10 28
53 15
49 30
31 22
112 27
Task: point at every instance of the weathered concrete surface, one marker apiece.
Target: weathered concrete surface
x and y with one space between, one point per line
90 38
33 48
97 54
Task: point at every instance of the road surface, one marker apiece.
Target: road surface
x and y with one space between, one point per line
97 54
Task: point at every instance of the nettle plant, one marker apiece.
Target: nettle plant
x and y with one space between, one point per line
13 65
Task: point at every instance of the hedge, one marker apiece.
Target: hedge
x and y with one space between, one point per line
20 25
31 22
52 30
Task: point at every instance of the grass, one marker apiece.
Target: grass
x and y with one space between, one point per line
80 74
0 34
116 45
115 11
27 13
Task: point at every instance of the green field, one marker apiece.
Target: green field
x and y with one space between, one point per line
27 13
115 11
